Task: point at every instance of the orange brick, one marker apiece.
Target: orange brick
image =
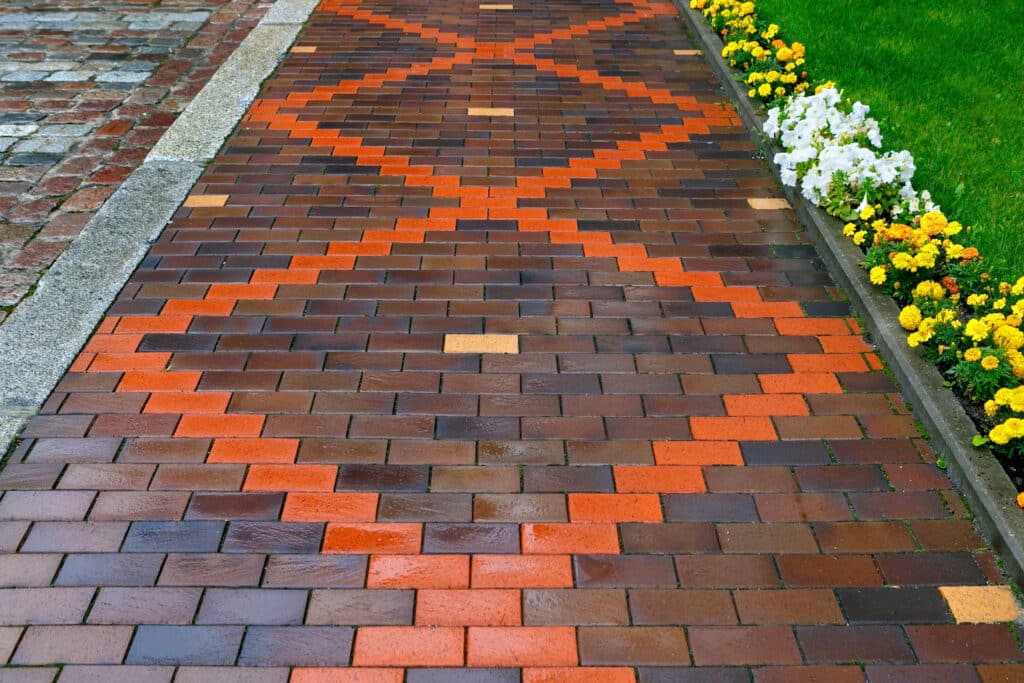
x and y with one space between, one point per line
658 479
474 607
291 478
559 539
844 344
614 507
82 362
767 309
521 571
697 453
248 292
874 362
811 327
827 362
408 646
726 294
254 450
329 507
113 343
180 307
154 323
347 676
220 425
108 325
732 428
418 571
119 362
578 675
688 279
391 538
146 380
800 383
521 646
765 404
215 402
298 276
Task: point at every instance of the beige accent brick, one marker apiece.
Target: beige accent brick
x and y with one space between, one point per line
497 7
980 604
481 343
767 204
685 53
492 111
194 201
304 49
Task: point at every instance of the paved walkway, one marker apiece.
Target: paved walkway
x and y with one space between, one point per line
479 355
86 88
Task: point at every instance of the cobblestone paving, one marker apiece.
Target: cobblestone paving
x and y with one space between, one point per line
469 359
86 89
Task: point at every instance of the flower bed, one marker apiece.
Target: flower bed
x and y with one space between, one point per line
956 315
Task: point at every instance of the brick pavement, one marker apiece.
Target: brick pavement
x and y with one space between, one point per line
86 89
469 359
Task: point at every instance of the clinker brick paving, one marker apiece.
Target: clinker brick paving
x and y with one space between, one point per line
476 355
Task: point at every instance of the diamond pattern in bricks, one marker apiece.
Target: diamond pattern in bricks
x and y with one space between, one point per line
271 454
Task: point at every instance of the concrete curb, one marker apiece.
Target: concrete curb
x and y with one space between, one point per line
40 340
976 473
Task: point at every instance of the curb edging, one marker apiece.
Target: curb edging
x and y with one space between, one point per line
44 334
975 471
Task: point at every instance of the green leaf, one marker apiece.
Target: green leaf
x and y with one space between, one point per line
978 441
940 463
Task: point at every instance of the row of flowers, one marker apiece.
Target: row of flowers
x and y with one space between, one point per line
959 317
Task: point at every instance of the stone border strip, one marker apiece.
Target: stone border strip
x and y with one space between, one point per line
41 338
975 471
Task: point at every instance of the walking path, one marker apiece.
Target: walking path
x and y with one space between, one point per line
482 352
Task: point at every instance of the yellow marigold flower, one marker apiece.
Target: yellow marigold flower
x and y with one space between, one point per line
764 90
933 222
924 259
991 408
972 355
877 275
977 300
910 317
1008 337
784 54
751 93
903 261
914 339
849 229
1020 500
954 251
930 289
867 213
780 91
1018 287
1014 320
990 362
999 435
799 51
999 304
976 330
859 237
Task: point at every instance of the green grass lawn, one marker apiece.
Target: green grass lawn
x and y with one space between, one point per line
946 81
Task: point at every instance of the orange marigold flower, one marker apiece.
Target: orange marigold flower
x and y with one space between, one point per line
1020 500
950 285
970 253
